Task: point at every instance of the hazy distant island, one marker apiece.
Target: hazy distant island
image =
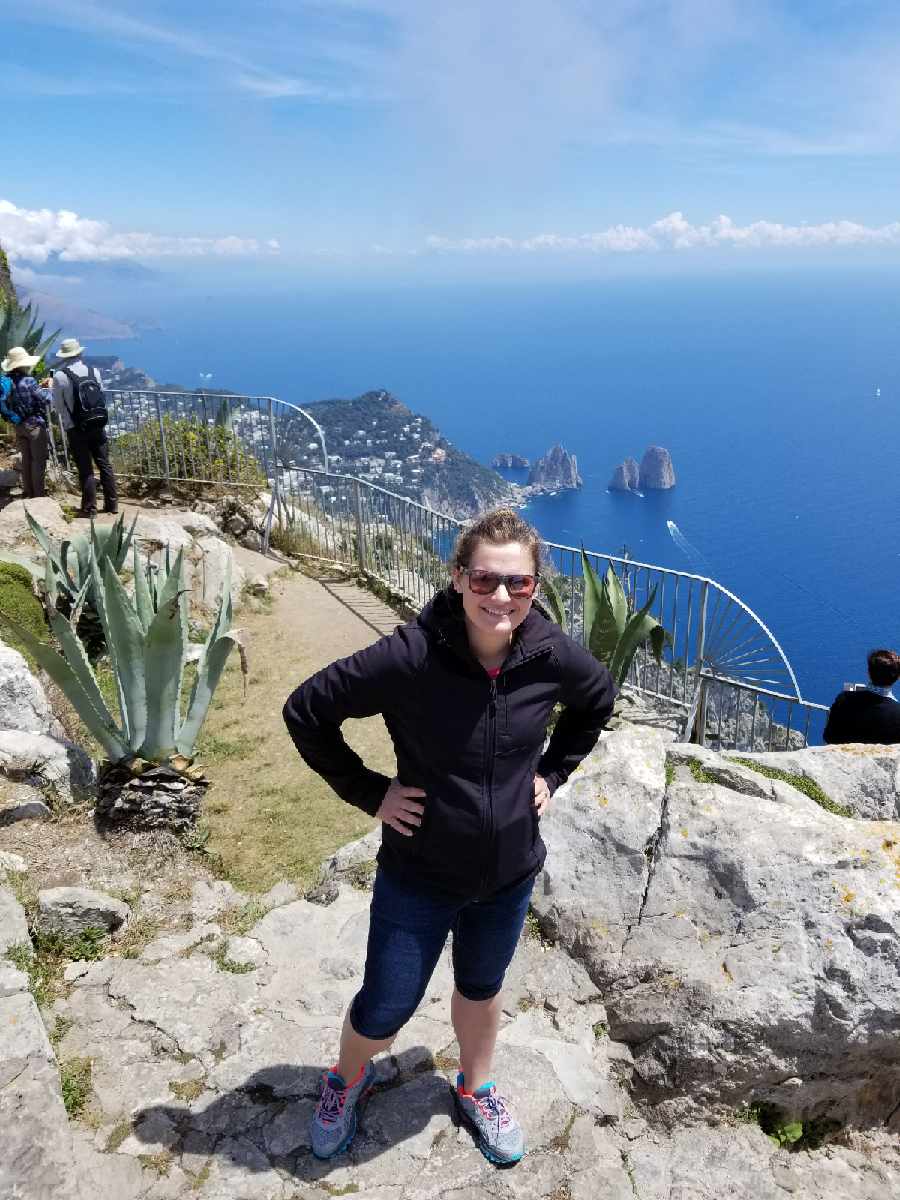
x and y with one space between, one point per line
655 473
556 471
510 462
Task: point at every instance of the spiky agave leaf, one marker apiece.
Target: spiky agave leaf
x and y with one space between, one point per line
212 661
164 653
143 600
555 602
128 635
636 632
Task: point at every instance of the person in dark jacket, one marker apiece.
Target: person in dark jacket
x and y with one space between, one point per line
868 713
28 401
466 692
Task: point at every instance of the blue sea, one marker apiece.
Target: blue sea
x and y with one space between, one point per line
778 396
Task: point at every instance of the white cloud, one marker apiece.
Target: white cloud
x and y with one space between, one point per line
36 235
675 232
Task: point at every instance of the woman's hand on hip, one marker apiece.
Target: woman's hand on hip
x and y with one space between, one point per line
541 794
399 808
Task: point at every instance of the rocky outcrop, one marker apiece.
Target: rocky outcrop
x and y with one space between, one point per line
71 910
626 477
657 472
510 462
744 939
23 702
556 471
55 768
713 940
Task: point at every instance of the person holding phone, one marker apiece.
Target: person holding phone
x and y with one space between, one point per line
466 691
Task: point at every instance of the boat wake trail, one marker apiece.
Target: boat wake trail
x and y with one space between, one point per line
690 551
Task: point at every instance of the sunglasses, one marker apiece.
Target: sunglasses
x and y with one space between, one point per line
485 583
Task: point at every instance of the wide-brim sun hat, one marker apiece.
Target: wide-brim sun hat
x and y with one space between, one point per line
70 348
17 358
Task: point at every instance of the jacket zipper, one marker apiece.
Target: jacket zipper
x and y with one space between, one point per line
489 779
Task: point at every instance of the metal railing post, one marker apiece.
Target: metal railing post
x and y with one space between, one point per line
162 438
276 481
361 556
699 682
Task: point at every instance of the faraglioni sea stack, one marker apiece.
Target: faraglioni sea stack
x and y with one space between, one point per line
558 469
657 472
626 477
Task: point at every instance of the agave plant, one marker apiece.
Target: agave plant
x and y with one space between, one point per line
613 631
19 327
68 574
150 777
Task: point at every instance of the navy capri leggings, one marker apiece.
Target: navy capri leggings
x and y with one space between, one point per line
407 931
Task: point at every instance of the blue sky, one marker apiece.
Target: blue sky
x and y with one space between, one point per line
410 136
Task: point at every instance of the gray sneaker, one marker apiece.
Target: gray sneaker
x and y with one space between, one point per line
334 1122
498 1133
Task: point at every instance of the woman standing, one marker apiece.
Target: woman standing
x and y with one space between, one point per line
30 402
466 692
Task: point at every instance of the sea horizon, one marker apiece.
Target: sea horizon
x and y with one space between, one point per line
776 396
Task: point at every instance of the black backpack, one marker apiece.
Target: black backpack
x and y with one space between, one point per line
88 411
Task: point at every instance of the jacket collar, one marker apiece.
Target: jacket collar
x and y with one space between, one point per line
444 618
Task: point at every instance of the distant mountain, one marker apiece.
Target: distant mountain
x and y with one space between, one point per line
379 439
74 320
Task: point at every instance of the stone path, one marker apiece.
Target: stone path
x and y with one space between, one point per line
207 1050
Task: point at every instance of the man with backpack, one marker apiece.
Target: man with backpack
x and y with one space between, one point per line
78 398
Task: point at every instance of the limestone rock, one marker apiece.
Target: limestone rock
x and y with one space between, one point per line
626 477
15 533
236 525
13 924
11 863
24 804
746 946
862 778
23 702
556 470
209 562
71 910
61 768
657 472
510 461
258 586
208 900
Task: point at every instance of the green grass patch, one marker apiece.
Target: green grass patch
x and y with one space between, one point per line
18 601
670 774
219 956
699 772
213 747
533 930
118 1136
807 786
187 1090
75 1082
52 952
240 921
786 1132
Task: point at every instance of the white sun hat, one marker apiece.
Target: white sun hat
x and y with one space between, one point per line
70 348
19 357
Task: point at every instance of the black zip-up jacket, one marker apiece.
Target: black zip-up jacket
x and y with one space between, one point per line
473 744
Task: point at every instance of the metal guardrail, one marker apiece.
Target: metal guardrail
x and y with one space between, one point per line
724 673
